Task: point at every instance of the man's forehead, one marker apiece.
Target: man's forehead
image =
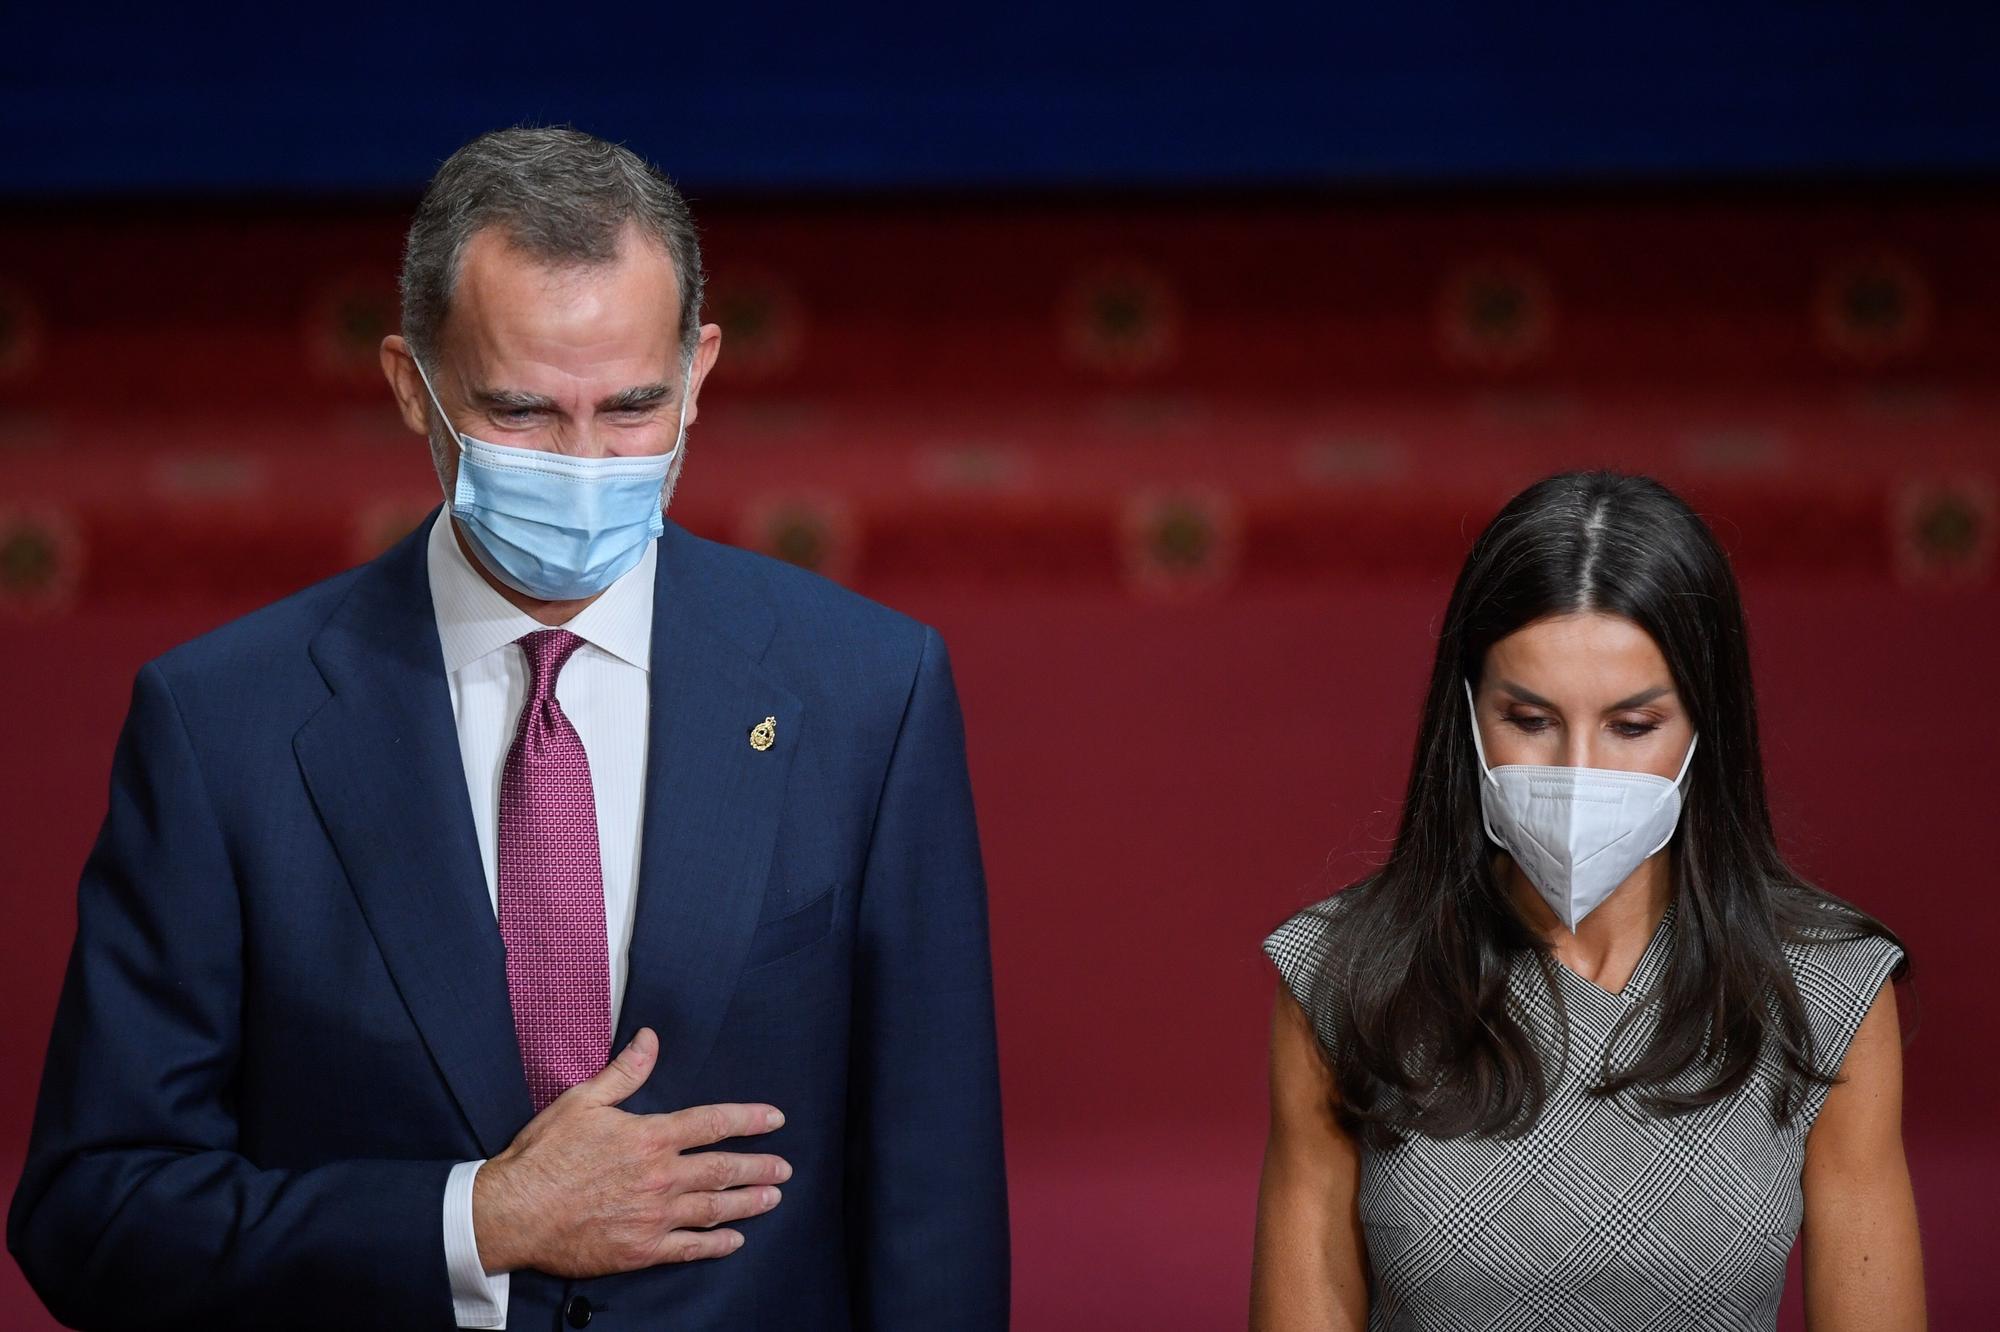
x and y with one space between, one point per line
514 315
496 262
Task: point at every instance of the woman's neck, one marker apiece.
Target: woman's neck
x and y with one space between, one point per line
1607 944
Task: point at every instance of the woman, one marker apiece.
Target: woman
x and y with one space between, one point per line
1585 1051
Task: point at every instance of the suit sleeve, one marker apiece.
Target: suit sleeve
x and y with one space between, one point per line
927 1189
135 1208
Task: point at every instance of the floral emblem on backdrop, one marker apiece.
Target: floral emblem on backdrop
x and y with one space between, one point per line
346 322
1120 317
816 534
763 323
1495 314
1944 530
1180 543
41 560
1873 308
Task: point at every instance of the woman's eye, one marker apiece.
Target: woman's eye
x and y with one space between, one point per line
1633 730
1531 725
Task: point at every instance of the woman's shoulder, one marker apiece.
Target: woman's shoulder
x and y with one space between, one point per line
1308 935
1306 949
1837 951
1839 959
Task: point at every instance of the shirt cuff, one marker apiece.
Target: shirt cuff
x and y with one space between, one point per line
477 1299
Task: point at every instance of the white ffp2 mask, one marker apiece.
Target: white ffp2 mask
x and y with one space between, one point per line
1577 833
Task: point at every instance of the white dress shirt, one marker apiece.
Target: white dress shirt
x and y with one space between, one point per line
603 691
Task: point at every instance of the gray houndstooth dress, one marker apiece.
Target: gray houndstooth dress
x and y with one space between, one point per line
1601 1217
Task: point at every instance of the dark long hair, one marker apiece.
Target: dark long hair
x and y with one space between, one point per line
1428 1039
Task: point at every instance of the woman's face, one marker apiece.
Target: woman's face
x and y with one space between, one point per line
1587 690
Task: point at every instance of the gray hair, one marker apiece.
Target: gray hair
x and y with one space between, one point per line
561 195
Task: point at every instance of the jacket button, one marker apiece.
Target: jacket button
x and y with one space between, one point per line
577 1312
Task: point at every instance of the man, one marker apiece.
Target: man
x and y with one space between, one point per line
392 868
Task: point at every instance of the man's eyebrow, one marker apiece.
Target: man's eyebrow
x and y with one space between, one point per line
633 399
1638 700
637 398
511 400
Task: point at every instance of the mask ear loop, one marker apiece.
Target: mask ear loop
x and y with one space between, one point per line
1687 762
443 416
457 439
1478 745
687 391
680 440
1486 776
1676 790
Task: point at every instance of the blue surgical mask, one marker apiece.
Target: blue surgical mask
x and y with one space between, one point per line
552 526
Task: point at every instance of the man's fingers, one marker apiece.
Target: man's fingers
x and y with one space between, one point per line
700 1125
625 1074
688 1246
729 1170
700 1210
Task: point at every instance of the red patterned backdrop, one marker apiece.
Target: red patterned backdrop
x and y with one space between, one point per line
1184 484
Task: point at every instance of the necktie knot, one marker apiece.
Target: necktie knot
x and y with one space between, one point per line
547 650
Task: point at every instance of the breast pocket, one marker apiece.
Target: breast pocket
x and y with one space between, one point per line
795 931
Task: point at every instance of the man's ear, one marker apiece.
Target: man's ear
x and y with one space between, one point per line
399 367
705 353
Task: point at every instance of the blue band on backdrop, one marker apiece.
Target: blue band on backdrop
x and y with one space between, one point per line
1097 95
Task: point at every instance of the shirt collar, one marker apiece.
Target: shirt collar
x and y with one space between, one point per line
473 619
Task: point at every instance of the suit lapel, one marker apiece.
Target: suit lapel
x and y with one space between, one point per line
713 802
381 759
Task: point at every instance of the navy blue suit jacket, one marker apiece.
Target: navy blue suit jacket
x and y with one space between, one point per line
286 1013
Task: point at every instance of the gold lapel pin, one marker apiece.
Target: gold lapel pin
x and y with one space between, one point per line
764 734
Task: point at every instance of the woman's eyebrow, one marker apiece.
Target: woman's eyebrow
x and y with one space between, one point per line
1526 695
1640 699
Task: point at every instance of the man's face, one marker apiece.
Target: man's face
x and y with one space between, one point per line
581 360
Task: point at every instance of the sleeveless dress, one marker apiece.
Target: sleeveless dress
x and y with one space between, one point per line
1601 1217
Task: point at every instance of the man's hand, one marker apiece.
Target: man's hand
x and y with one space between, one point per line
587 1189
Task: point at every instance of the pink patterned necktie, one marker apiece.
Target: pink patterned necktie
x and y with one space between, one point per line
552 887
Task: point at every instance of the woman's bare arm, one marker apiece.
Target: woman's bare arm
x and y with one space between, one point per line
1863 1266
1310 1270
